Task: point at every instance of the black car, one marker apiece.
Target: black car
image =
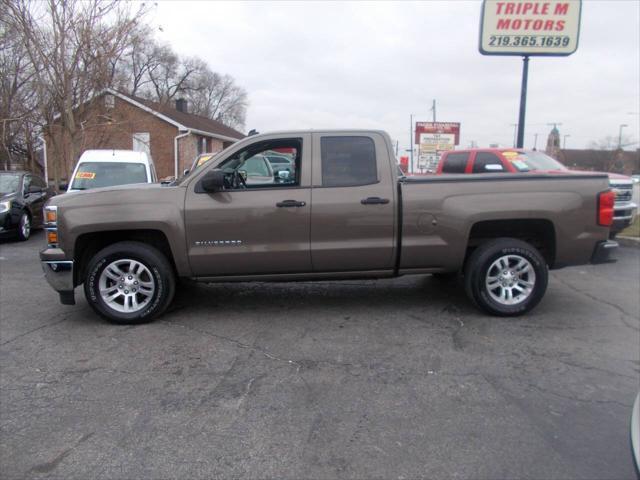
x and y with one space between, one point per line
22 196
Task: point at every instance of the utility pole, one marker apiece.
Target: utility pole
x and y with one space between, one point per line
515 131
433 109
411 142
523 100
535 141
620 135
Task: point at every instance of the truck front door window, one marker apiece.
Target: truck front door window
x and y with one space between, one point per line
253 167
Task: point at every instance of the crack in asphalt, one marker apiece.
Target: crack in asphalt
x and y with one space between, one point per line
66 316
234 341
51 465
600 300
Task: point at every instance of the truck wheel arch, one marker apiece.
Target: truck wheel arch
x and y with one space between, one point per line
88 244
540 233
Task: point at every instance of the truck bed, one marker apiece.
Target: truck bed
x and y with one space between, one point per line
441 214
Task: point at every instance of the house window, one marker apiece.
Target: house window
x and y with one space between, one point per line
142 142
109 101
202 145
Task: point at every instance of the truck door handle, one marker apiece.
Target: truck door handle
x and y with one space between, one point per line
374 201
290 203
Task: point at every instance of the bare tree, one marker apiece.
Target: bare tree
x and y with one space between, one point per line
170 76
17 99
611 142
71 46
218 97
156 72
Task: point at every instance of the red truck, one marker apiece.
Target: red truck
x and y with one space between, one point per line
514 160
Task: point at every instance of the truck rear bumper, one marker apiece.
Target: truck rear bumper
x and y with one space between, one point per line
602 252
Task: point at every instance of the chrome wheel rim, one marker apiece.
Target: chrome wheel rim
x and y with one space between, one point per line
126 286
25 226
510 280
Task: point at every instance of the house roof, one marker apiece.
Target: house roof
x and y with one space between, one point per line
182 120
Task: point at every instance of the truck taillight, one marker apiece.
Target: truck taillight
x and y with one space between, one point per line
606 201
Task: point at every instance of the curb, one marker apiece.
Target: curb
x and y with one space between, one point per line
632 242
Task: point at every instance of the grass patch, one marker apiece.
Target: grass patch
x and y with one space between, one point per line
632 230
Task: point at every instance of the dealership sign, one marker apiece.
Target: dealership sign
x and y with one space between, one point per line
530 27
434 138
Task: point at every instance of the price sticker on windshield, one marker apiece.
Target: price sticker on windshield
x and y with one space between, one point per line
85 175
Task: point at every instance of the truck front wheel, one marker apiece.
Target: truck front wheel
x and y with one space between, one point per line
129 282
506 277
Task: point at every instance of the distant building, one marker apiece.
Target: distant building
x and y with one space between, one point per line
615 161
170 134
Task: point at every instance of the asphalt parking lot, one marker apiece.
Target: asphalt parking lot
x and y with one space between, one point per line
397 379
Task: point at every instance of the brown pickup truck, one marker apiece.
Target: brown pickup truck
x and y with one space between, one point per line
341 213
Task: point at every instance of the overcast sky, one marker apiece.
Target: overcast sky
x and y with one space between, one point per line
370 65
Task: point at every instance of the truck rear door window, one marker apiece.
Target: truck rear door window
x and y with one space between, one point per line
348 161
455 163
487 162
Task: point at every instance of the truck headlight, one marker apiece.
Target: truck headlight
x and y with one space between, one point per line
51 224
5 206
51 215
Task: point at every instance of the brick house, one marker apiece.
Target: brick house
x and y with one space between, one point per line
114 120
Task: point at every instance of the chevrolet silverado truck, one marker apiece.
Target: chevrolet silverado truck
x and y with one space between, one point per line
510 160
342 213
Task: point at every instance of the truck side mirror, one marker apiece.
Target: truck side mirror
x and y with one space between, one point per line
213 181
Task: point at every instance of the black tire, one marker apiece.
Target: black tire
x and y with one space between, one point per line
481 261
24 227
158 268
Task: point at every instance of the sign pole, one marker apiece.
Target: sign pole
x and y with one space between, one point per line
523 101
411 142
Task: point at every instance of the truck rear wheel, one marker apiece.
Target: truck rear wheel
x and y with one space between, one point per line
506 277
129 283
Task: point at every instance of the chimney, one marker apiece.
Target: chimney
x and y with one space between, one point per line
181 105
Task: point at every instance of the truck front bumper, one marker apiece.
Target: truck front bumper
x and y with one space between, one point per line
602 252
59 274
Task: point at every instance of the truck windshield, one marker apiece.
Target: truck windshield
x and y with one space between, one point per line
108 174
9 183
532 161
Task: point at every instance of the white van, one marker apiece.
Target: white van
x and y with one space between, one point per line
106 168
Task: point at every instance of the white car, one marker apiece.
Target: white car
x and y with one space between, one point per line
107 168
258 171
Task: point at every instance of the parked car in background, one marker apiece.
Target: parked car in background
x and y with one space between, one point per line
255 170
199 160
22 197
510 160
280 163
109 168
